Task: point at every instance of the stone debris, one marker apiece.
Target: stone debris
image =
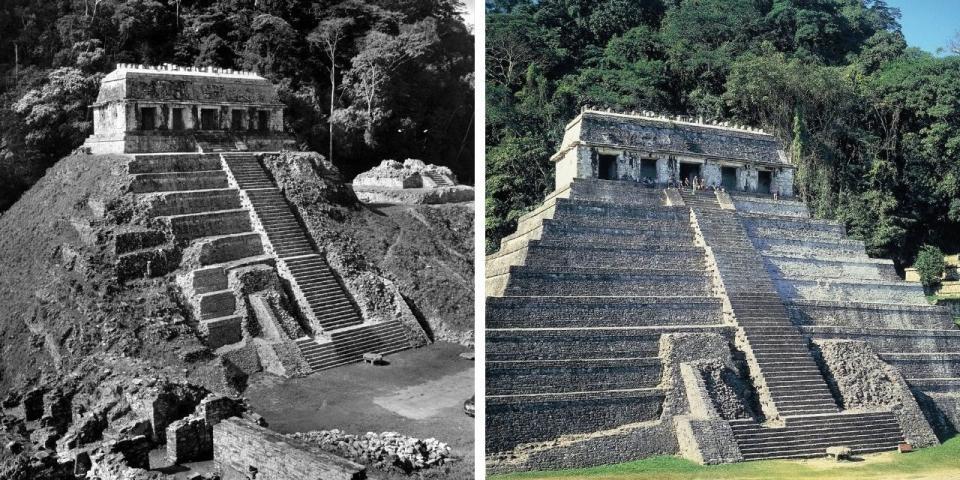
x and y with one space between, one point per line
382 450
410 182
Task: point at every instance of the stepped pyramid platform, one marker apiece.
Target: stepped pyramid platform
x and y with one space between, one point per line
227 215
629 318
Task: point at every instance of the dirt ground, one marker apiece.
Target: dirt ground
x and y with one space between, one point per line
419 393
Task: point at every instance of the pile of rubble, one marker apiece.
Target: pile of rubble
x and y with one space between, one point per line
382 450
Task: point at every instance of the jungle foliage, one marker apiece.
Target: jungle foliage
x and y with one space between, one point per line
872 125
397 75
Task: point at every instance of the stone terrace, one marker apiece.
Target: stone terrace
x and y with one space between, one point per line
833 290
226 213
583 294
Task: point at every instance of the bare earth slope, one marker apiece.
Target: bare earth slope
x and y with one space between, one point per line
60 306
428 251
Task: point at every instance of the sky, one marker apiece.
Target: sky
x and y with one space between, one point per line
470 15
928 24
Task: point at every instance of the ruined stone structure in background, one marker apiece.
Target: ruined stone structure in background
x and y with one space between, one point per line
169 108
659 150
410 182
627 318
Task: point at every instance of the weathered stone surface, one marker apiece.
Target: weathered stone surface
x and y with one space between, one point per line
706 441
863 380
622 444
189 439
242 448
679 348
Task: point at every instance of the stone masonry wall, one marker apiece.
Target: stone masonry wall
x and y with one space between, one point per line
863 380
243 450
539 418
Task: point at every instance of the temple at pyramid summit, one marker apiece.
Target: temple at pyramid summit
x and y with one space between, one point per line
631 316
170 108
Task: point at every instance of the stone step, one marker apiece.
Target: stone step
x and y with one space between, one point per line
208 224
220 331
571 281
811 444
384 338
215 304
509 312
563 343
214 277
597 209
571 375
515 419
766 438
177 181
198 201
172 162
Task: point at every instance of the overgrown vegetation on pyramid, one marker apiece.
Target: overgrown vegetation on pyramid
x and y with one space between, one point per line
632 316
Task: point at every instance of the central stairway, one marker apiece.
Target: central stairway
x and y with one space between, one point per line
343 336
787 370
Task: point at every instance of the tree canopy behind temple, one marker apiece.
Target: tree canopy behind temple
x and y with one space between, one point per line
398 73
873 126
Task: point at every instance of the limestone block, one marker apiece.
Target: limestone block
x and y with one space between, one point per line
189 439
678 348
711 173
241 447
706 441
618 445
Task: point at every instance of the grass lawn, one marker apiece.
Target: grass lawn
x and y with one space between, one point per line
937 463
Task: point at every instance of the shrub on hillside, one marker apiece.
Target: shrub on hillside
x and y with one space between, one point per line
929 265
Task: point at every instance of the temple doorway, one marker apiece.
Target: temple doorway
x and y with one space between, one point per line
648 169
608 167
148 118
728 178
763 182
208 119
689 170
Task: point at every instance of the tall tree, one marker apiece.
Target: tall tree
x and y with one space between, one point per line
328 35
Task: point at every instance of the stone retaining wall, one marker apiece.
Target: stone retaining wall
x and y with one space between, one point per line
515 420
241 449
595 312
851 314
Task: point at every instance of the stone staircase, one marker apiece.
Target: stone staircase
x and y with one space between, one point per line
343 337
352 342
834 291
787 371
437 179
809 436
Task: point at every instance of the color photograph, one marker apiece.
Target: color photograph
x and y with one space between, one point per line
721 239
